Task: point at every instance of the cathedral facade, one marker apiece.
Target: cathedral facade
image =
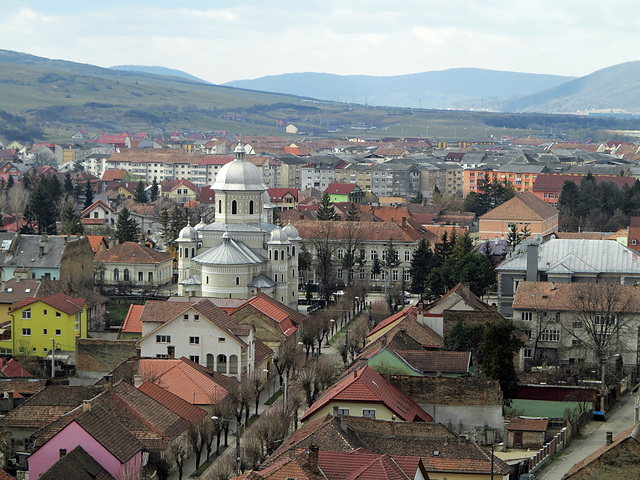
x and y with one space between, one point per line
242 250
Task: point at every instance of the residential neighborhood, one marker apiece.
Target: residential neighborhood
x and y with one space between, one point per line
200 304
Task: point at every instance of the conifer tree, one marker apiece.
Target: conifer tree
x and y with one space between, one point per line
140 195
127 229
154 191
326 210
70 221
88 195
353 214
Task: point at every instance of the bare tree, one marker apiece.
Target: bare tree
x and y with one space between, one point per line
315 377
258 384
16 200
601 317
178 453
351 242
196 440
323 247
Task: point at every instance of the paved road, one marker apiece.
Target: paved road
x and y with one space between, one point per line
618 420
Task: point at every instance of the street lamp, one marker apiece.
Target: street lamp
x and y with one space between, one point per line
603 362
214 418
493 445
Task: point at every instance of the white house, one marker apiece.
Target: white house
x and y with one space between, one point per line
206 335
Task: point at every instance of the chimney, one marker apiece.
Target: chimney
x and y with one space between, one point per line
86 405
344 423
292 453
63 452
404 222
171 351
313 457
609 438
532 263
137 381
466 291
335 410
109 380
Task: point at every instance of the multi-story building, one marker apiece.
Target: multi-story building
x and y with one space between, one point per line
387 179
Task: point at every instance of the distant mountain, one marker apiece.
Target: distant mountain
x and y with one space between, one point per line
613 89
169 72
458 88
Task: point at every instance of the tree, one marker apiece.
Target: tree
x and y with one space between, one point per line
422 261
70 223
352 240
88 195
154 191
196 441
165 229
140 194
68 185
601 318
42 211
353 214
326 210
127 229
390 262
499 347
324 248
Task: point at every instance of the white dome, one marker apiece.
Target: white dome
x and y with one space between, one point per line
188 234
200 225
278 236
292 232
239 175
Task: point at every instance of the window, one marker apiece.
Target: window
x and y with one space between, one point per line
163 338
196 318
194 340
605 320
58 314
527 333
44 331
406 275
550 335
237 280
26 332
394 275
368 413
140 276
527 353
219 206
374 254
222 339
407 255
527 316
185 317
343 411
251 207
576 324
26 314
58 332
576 343
194 358
340 254
339 274
234 207
126 275
151 276
44 312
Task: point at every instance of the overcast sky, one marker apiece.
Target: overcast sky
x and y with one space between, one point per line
220 41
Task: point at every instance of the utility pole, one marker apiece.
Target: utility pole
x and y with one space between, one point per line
53 354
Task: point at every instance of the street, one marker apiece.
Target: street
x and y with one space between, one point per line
593 437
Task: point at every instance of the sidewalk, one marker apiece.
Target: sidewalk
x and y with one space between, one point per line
593 437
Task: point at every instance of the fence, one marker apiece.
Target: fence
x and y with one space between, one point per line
555 445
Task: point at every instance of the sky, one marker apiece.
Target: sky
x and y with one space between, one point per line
221 41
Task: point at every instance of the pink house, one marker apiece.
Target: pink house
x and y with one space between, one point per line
105 439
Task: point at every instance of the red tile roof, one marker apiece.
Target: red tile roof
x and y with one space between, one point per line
59 301
528 424
367 385
341 188
133 324
392 319
186 410
12 369
131 252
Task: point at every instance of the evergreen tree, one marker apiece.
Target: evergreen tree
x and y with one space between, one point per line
463 245
326 210
353 214
88 195
127 229
70 223
177 221
68 185
140 195
499 347
165 225
10 183
41 213
421 264
154 191
3 186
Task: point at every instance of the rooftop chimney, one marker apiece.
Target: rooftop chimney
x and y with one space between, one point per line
609 438
532 262
137 381
63 452
86 405
404 222
313 458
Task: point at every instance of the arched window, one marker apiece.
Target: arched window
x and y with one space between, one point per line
116 274
234 207
293 273
237 280
251 207
126 274
186 252
293 251
180 251
275 254
207 279
193 252
219 206
282 254
275 278
269 254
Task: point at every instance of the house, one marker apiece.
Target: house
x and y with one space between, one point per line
78 465
633 234
130 265
364 392
284 198
441 364
13 291
443 453
527 432
132 326
98 243
563 322
99 214
176 404
548 187
467 405
99 434
55 257
405 324
180 191
565 261
206 335
345 192
524 210
39 323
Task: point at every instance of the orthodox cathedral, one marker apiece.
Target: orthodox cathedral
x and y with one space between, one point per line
242 251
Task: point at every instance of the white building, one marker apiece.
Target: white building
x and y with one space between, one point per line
242 251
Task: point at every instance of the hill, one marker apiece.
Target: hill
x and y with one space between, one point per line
615 88
155 70
458 87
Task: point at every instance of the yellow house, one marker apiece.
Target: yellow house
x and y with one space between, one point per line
365 393
39 322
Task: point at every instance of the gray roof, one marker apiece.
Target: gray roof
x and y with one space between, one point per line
562 256
262 281
192 280
229 252
27 251
238 227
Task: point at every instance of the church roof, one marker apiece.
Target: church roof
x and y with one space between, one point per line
229 252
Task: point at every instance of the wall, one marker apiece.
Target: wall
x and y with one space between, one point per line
96 358
76 264
468 419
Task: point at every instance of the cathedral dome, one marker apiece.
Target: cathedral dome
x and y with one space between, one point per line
188 234
239 175
278 236
292 232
